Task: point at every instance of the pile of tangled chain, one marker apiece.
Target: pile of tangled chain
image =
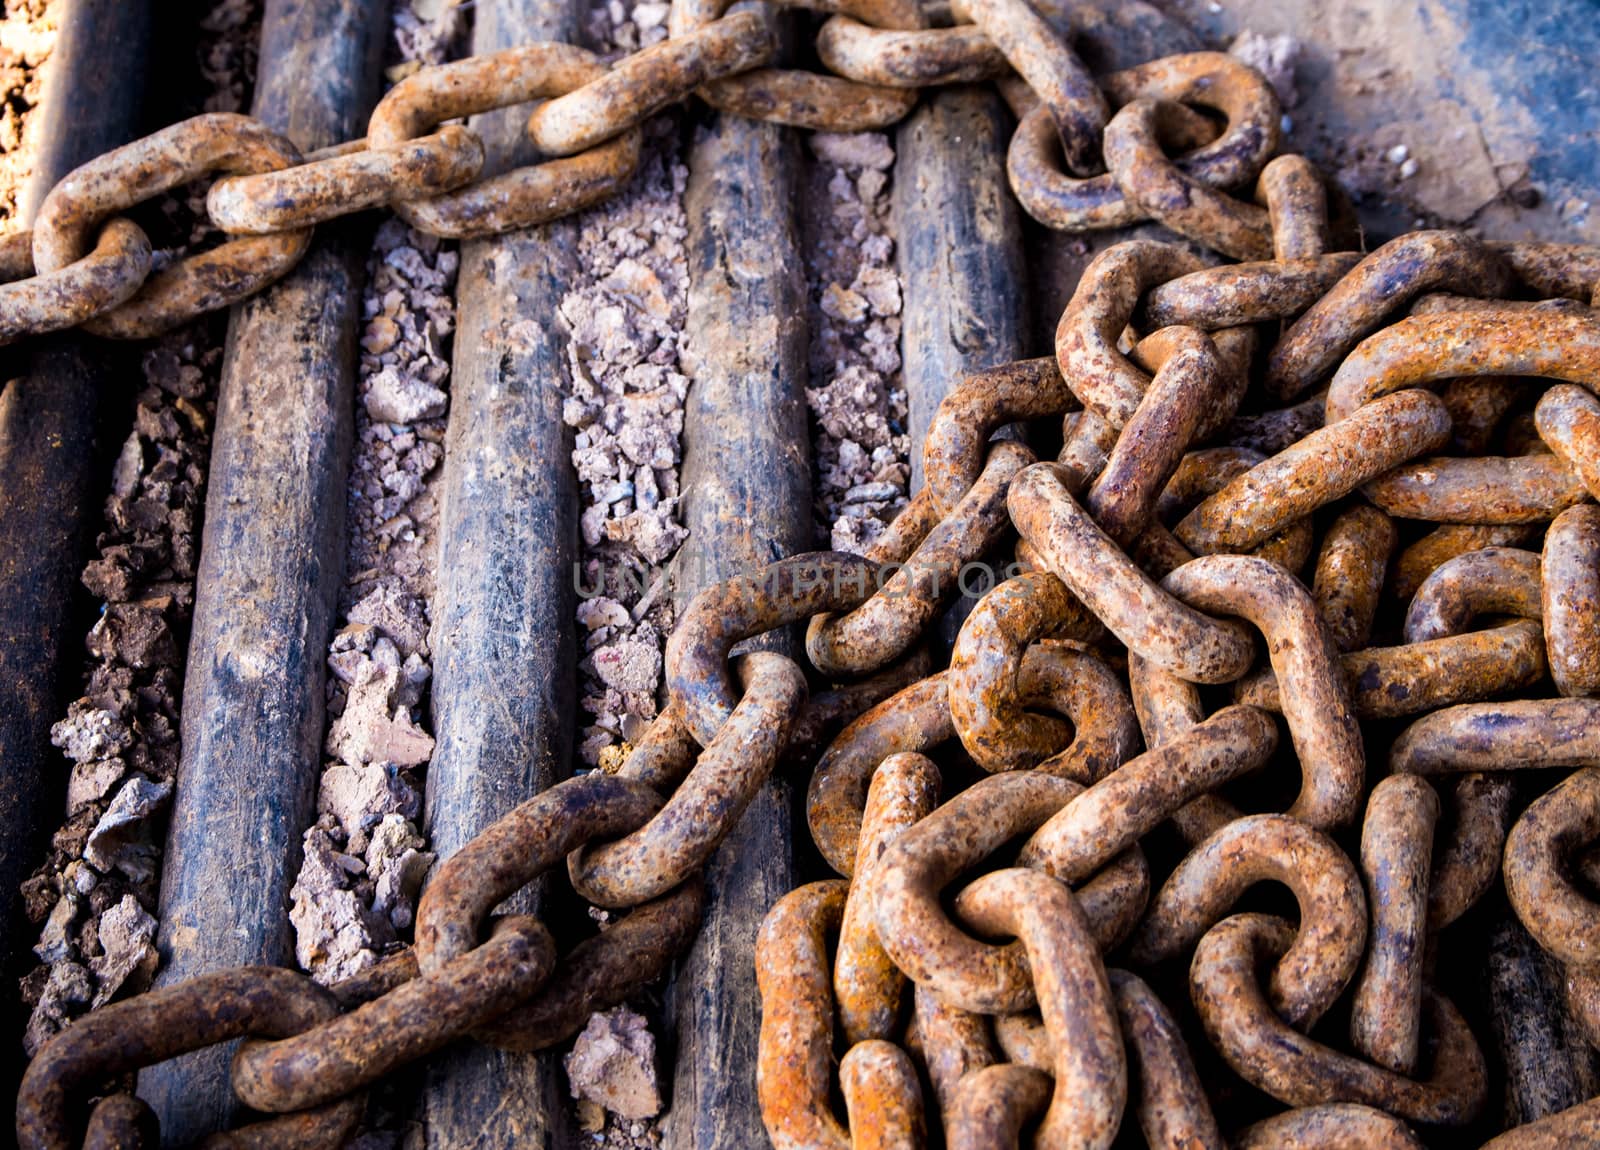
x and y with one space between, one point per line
1214 499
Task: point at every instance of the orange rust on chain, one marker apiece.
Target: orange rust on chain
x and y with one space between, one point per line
1244 293
1385 280
1351 568
829 711
783 592
1324 466
1570 597
1311 974
640 85
986 703
69 218
1553 270
161 1024
1478 737
1116 812
1346 1125
1469 862
1489 581
909 59
522 196
1053 71
1478 406
1568 420
1316 701
1426 349
872 635
102 279
1269 432
1485 489
795 1051
1292 191
916 719
1167 708
806 99
1575 1126
1396 852
1416 561
1188 384
1388 682
1089 1068
867 986
1171 1105
1300 1071
1174 198
356 1049
958 437
702 811
324 189
1145 618
955 1043
991 1107
1562 917
882 1098
121 1122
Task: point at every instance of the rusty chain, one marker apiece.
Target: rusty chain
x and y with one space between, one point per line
1238 526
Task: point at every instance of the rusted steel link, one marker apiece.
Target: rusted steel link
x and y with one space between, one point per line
1561 917
1425 349
1292 191
1245 293
986 703
1052 70
1171 1106
1173 197
1272 431
882 1098
1568 420
1102 307
70 215
991 1107
1520 734
353 1050
913 872
523 196
1324 466
805 99
1387 682
1145 618
1188 384
640 85
720 616
1486 489
867 985
1116 812
958 438
954 1042
1490 581
121 1122
1089 1067
1211 80
1577 1126
916 719
795 1055
1345 1125
1167 708
1200 474
678 839
106 276
1571 271
1385 280
1570 595
871 636
1328 945
1418 560
324 188
1351 569
1396 852
514 851
1520 436
1023 1039
162 1024
1478 406
1300 1071
1087 442
1469 861
909 59
829 711
601 972
1316 702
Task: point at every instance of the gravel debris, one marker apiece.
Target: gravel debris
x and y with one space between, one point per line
613 1065
27 35
857 401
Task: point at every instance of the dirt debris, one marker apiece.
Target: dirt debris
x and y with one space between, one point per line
27 35
1274 57
856 398
613 1065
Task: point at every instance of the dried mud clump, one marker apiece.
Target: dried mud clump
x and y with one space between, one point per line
857 402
